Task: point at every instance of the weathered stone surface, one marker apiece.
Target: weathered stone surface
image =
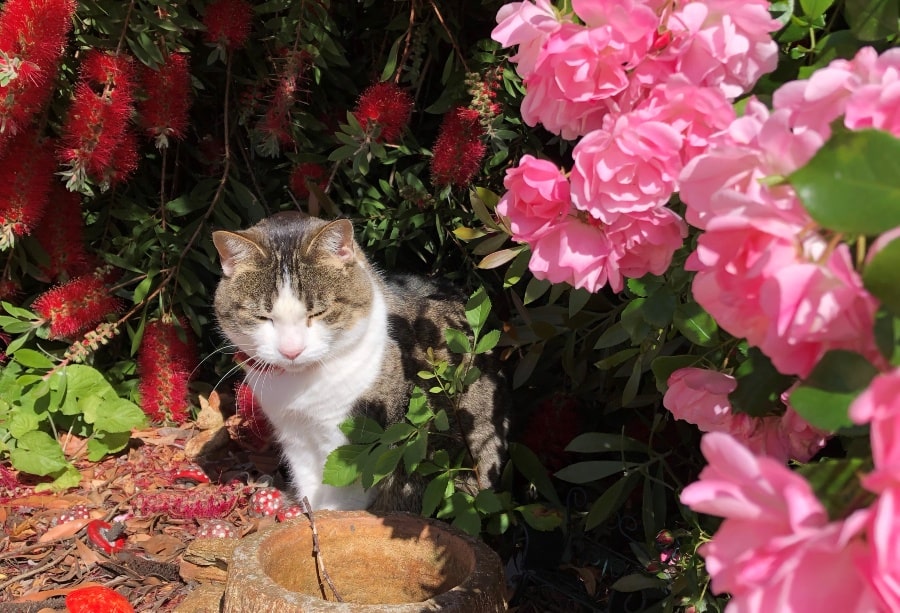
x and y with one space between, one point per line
398 563
206 559
206 598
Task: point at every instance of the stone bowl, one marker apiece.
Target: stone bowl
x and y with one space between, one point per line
398 563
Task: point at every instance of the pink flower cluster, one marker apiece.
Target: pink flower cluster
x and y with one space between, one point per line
763 271
643 86
777 550
700 396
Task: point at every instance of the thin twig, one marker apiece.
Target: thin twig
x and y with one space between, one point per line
317 552
459 53
38 569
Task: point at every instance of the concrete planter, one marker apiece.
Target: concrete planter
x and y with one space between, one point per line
397 563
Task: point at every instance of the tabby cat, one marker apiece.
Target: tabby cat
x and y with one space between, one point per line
327 336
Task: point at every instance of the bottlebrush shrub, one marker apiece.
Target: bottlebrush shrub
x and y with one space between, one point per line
75 306
385 107
167 99
32 40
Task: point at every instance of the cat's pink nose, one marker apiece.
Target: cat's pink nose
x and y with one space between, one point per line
290 353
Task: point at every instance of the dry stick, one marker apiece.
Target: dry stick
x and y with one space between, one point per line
317 552
459 52
38 569
407 44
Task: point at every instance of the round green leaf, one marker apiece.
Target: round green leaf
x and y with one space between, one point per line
881 275
852 184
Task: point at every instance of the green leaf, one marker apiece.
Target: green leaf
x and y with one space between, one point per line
824 398
466 518
38 453
360 429
390 63
609 501
880 276
434 493
837 485
637 582
478 308
759 385
32 359
659 308
541 517
86 381
531 468
815 8
487 342
64 479
113 415
397 432
487 502
591 470
614 335
872 20
441 421
457 341
695 324
386 463
343 465
419 412
415 451
860 167
102 444
600 442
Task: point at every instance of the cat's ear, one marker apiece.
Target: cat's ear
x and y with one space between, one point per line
233 248
335 239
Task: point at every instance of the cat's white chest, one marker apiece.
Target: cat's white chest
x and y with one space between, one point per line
307 407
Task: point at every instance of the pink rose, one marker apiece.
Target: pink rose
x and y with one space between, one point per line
631 166
578 69
724 43
879 406
775 549
572 252
527 25
729 177
879 563
647 241
537 196
700 396
634 20
802 440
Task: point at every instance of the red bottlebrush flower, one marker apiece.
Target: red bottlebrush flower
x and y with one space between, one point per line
164 114
458 150
387 106
32 39
63 236
8 289
26 174
275 126
228 23
304 172
165 364
550 428
96 142
75 306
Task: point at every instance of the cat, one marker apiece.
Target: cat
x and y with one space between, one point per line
328 336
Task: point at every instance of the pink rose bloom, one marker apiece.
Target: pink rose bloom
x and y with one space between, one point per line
776 549
578 69
879 406
733 259
801 440
694 112
728 178
879 563
700 396
573 252
586 254
647 241
875 106
724 43
527 25
537 196
635 21
630 167
817 101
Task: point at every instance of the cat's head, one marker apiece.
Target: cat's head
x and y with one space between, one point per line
295 290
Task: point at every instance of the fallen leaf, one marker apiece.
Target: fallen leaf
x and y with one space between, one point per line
86 555
163 545
64 531
206 442
47 594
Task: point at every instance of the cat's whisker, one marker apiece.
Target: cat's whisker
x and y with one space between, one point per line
223 350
